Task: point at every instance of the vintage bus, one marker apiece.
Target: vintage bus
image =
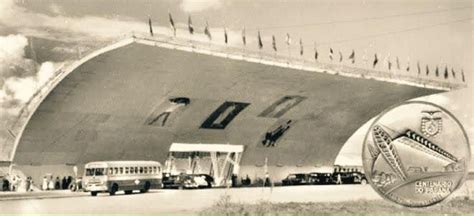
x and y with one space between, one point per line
127 176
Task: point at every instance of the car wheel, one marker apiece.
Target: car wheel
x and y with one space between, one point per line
146 188
363 181
93 193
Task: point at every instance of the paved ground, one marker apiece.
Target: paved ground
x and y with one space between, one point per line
175 201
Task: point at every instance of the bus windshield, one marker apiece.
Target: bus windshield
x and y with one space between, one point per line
94 171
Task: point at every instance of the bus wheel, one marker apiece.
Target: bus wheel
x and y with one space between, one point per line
146 188
113 189
93 193
128 192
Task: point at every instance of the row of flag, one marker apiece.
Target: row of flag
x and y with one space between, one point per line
331 55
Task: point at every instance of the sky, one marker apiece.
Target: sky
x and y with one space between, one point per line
434 32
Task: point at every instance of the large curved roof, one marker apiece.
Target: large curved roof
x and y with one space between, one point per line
104 109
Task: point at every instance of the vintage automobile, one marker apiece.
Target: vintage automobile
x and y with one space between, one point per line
350 177
296 179
187 181
321 178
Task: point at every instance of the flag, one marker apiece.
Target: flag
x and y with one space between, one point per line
226 39
190 25
352 57
376 60
340 56
288 39
453 73
408 66
172 24
150 26
418 67
274 43
462 75
331 53
315 52
260 43
389 63
244 40
301 46
207 32
427 70
437 71
398 63
446 74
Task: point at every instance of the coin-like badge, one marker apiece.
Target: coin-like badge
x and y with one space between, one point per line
416 154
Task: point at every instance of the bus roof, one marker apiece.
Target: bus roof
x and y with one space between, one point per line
123 163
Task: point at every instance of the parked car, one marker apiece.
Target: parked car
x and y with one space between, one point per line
321 178
296 179
187 181
352 177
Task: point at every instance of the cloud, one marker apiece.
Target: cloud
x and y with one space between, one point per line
19 76
199 5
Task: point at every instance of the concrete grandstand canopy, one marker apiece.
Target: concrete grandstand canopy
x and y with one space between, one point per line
102 110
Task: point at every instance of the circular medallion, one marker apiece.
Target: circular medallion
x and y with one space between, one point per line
416 154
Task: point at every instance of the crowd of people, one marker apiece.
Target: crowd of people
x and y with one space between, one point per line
16 183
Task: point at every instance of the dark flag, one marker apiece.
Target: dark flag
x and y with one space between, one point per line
274 43
453 73
207 32
315 52
437 71
172 24
331 53
190 25
408 66
427 70
446 73
376 60
151 26
418 67
352 57
226 39
340 56
398 63
301 46
462 75
244 40
260 43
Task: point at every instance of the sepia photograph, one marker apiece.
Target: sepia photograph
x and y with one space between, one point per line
236 107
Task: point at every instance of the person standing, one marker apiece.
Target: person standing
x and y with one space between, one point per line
13 185
28 184
339 179
44 185
57 183
51 183
64 183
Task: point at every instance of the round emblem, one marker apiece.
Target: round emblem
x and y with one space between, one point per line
137 181
416 154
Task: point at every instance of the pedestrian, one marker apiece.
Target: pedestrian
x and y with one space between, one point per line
51 183
28 183
64 183
6 184
68 182
13 185
339 179
57 183
44 185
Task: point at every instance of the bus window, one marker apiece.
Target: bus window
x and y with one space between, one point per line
99 171
141 170
145 170
132 170
116 170
121 170
136 170
154 170
159 169
126 170
90 172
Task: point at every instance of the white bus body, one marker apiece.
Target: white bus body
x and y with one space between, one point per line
113 176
